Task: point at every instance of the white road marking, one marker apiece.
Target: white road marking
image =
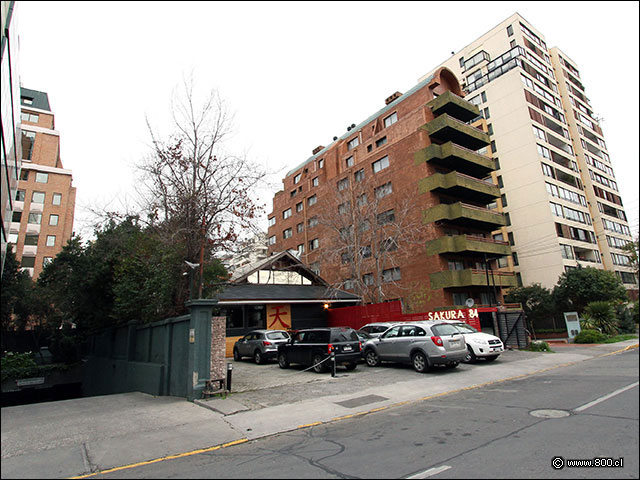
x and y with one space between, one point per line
605 397
431 472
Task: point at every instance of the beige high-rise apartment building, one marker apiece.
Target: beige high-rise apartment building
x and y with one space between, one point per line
558 188
44 205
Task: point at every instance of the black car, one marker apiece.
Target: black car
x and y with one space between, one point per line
313 347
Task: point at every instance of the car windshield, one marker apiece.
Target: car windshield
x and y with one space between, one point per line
445 329
277 336
465 328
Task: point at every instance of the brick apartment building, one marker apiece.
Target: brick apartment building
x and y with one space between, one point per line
396 208
42 221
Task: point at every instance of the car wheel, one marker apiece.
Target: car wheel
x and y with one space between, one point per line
257 357
491 358
372 358
236 355
420 362
470 357
283 361
318 366
351 366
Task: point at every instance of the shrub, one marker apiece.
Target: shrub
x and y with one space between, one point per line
590 336
626 321
601 316
539 346
18 365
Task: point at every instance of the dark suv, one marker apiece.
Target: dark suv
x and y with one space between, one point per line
314 346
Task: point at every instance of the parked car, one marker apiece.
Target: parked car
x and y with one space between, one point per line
364 337
479 344
313 347
262 345
421 344
377 328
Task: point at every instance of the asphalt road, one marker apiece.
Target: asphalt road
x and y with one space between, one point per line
589 409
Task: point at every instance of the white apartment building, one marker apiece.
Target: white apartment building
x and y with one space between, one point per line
558 189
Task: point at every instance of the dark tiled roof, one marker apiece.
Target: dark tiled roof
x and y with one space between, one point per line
39 99
283 292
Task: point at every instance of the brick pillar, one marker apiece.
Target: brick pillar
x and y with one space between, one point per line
218 348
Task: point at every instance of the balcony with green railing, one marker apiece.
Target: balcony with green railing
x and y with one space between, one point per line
445 128
451 104
461 186
472 278
467 245
456 158
464 215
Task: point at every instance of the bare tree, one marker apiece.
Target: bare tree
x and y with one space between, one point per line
194 191
370 228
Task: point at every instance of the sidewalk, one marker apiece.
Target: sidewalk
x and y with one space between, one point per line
80 436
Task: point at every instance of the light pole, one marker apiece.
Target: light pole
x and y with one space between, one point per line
192 267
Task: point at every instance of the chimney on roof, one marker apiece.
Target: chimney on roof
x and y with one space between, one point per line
392 98
317 149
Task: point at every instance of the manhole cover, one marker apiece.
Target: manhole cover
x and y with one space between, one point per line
360 401
549 413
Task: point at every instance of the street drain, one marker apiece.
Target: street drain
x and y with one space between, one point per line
549 413
359 401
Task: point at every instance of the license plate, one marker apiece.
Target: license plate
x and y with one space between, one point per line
454 343
347 349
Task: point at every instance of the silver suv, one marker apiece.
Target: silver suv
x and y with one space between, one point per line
260 344
422 344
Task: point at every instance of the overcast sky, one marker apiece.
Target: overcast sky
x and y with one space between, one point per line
294 74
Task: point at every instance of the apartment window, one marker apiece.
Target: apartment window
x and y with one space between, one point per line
53 220
31 240
512 44
312 200
13 238
359 175
296 179
343 184
483 96
503 198
29 117
28 140
46 261
349 162
20 195
51 240
300 249
24 174
486 113
321 163
299 207
315 182
381 141
361 200
287 213
490 129
383 190
566 251
493 146
380 164
461 60
272 221
16 217
42 177
510 30
500 182
391 119
508 219
313 244
391 274
389 245
539 133
353 143
514 255
497 162
343 208
386 217
365 252
294 193
287 233
313 221
37 197
369 148
35 218
349 284
367 279
28 262
272 240
300 227
511 239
